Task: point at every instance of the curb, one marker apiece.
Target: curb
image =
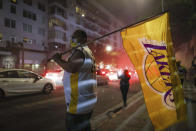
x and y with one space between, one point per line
98 120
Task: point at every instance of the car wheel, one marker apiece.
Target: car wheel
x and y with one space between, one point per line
48 89
2 94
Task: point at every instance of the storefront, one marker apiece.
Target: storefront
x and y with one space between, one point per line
34 61
7 60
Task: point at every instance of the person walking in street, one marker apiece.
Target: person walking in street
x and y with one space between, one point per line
79 81
181 71
124 85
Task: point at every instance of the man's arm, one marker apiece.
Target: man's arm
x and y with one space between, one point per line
73 64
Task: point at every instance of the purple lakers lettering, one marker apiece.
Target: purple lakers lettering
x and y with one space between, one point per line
155 51
158 52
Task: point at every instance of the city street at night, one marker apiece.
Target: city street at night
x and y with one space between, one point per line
97 65
42 112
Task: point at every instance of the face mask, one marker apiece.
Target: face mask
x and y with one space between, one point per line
74 43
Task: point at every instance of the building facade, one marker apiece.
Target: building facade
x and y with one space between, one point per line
68 15
23 33
31 31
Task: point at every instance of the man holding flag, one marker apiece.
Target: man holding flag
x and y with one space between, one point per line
150 49
79 81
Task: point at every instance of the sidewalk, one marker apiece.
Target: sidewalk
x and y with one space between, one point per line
189 91
134 117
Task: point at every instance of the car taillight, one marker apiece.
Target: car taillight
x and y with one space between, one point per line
52 76
103 72
112 76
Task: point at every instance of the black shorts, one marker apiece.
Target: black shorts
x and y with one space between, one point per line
78 122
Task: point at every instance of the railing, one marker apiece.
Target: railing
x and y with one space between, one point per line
34 46
9 45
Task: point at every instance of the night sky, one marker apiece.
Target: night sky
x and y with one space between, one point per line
131 11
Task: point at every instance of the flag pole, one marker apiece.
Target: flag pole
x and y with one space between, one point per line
134 24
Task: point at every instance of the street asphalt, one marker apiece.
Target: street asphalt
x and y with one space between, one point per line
39 112
46 112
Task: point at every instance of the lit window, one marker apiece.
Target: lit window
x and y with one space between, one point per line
77 9
14 1
80 11
25 39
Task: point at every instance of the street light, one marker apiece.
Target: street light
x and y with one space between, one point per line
108 48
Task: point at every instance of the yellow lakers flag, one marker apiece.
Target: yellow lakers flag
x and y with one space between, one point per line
149 47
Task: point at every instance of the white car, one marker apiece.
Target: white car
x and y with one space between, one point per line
20 82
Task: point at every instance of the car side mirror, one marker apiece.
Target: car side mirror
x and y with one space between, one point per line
37 78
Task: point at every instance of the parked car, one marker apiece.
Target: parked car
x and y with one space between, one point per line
19 82
102 80
102 72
